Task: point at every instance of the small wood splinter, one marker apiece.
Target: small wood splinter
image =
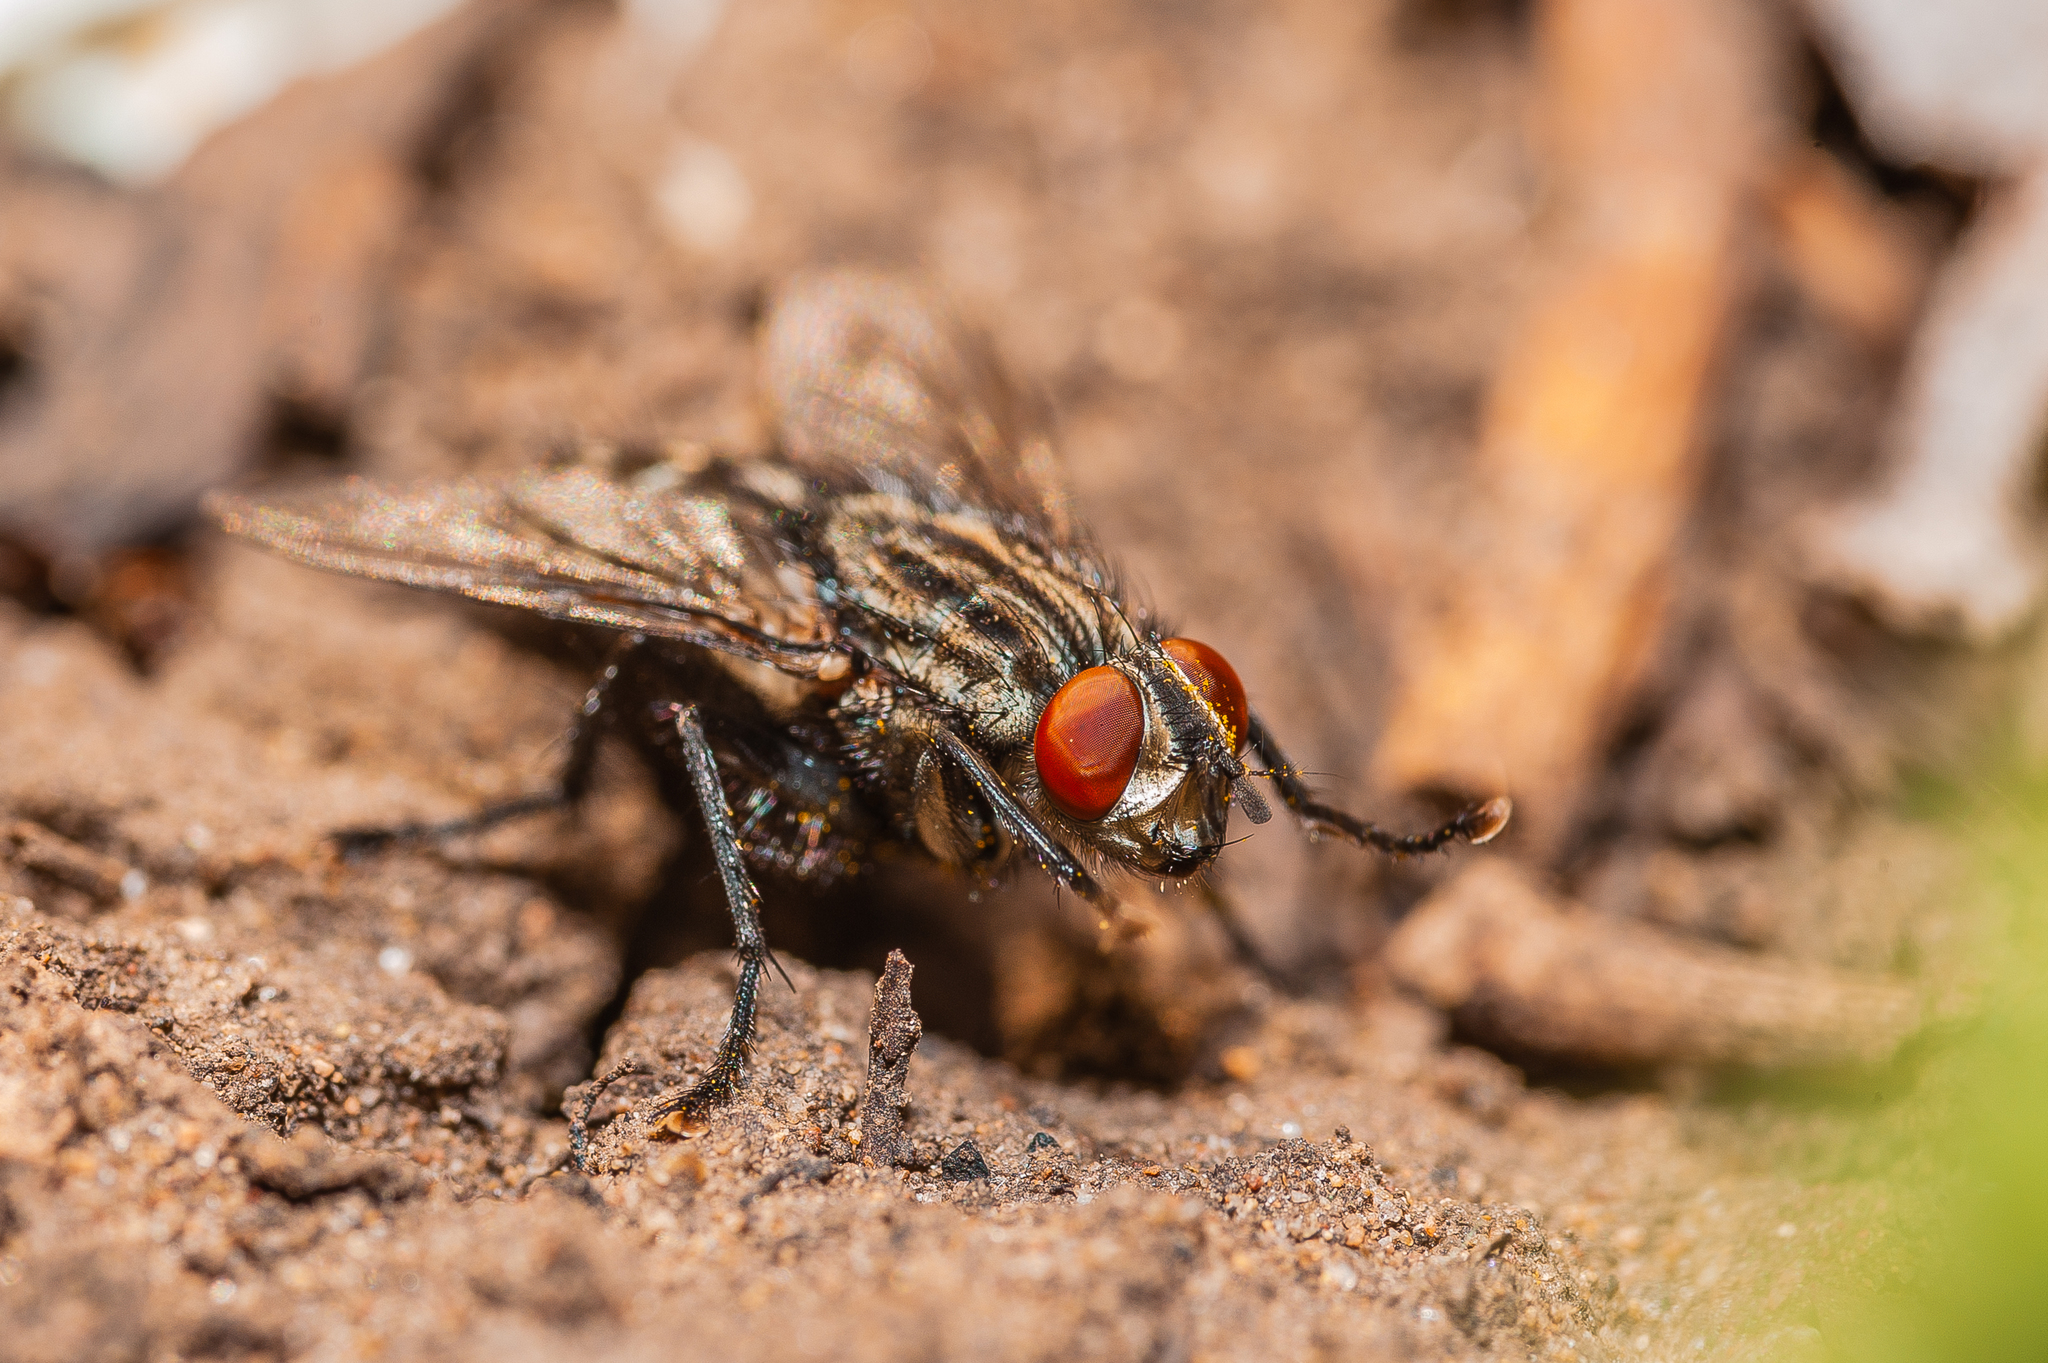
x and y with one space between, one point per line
894 1030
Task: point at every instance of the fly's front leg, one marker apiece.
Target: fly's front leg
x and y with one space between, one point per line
571 783
684 1113
1476 825
1051 853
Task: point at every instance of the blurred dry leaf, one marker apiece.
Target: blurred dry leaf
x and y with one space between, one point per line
1949 544
1847 248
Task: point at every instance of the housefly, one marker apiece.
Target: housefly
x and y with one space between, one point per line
890 627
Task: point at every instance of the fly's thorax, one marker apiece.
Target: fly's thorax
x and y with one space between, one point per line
980 627
976 615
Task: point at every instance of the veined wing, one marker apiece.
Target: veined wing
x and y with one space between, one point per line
868 374
648 555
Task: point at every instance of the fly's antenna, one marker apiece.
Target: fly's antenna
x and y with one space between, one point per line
1248 797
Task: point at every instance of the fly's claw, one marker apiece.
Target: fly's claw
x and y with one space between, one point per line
1483 823
680 1123
688 1113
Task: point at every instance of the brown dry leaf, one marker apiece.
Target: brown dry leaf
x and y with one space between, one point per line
1849 250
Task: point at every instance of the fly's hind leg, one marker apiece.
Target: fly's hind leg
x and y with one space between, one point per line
684 1113
571 783
1476 825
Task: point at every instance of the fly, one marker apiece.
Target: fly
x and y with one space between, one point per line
888 628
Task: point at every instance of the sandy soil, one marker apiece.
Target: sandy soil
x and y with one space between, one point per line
260 1102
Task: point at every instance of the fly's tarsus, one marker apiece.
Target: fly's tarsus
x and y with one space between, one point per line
1476 825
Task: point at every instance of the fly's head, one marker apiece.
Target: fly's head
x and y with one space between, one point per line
1139 756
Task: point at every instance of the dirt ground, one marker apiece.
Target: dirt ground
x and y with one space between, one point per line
261 1102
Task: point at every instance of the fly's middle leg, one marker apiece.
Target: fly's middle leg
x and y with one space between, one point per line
593 717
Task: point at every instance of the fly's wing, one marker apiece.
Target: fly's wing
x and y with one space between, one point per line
868 374
648 555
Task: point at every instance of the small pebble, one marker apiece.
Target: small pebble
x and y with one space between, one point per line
964 1164
1240 1063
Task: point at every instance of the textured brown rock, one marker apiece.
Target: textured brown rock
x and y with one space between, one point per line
894 1030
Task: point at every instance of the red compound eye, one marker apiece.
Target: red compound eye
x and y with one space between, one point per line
1216 680
1087 742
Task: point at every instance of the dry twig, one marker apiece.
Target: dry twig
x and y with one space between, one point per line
1517 968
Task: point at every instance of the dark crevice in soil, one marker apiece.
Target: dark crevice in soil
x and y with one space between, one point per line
298 431
470 110
25 578
1425 25
138 597
17 366
1573 1078
1947 199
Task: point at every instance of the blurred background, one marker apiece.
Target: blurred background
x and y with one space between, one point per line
1636 405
